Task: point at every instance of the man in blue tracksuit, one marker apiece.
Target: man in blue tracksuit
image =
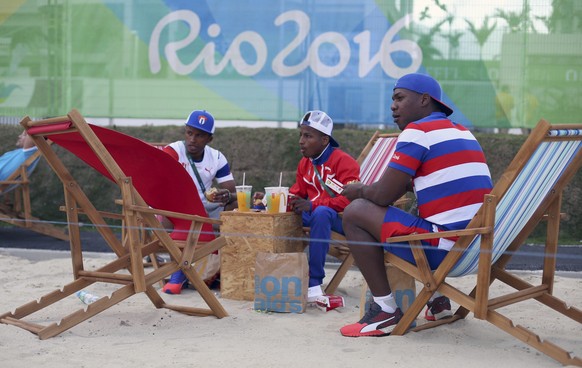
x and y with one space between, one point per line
321 175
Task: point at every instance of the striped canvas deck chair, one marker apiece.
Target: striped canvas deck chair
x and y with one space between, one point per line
373 161
15 205
528 192
150 182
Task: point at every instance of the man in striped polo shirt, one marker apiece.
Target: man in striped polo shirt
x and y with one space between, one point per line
444 165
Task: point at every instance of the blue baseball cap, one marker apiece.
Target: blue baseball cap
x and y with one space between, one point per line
422 83
201 120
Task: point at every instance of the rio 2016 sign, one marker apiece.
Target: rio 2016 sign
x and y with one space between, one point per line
272 60
312 60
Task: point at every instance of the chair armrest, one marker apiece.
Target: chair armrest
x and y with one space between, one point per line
179 215
440 234
109 215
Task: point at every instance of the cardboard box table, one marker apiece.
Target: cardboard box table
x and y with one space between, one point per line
248 233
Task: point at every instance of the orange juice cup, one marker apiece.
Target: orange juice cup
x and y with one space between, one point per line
273 203
276 199
243 196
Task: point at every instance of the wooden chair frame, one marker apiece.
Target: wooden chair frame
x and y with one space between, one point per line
485 244
16 208
128 269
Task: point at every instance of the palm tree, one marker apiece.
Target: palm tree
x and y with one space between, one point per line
454 42
481 34
425 41
453 36
517 21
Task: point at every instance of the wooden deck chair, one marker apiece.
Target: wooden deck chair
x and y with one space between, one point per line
373 161
151 182
15 207
529 191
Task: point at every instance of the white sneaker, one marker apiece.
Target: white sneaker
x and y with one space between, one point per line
313 292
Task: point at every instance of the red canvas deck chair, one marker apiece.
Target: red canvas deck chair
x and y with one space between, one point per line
151 182
528 192
373 161
15 206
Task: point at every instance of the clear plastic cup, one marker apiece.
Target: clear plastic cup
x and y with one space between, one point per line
243 196
276 199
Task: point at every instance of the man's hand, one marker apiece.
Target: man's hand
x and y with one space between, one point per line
299 205
222 196
353 191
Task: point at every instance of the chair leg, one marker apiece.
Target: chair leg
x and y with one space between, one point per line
339 275
206 294
413 311
525 335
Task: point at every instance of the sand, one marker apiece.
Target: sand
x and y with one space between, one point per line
136 334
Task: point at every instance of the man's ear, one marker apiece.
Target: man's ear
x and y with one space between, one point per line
210 138
426 100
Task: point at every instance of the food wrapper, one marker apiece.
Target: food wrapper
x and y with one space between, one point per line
329 302
210 193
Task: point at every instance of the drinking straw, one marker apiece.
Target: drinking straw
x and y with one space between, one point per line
280 179
244 173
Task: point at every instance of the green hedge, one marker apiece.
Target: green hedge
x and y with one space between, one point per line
262 154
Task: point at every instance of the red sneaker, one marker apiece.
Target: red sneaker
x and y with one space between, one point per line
439 308
178 281
375 322
175 289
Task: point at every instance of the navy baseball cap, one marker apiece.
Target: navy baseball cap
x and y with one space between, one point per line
422 83
201 120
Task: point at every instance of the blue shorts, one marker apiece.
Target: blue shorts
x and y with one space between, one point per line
398 222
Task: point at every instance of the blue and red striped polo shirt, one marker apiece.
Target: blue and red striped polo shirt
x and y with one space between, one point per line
448 167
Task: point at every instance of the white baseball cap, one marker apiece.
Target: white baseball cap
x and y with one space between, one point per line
320 121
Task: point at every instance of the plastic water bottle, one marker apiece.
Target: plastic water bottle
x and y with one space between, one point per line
86 297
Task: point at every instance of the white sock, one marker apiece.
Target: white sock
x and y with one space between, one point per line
314 291
387 303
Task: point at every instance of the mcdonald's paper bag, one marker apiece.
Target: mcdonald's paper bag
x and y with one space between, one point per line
403 288
281 282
